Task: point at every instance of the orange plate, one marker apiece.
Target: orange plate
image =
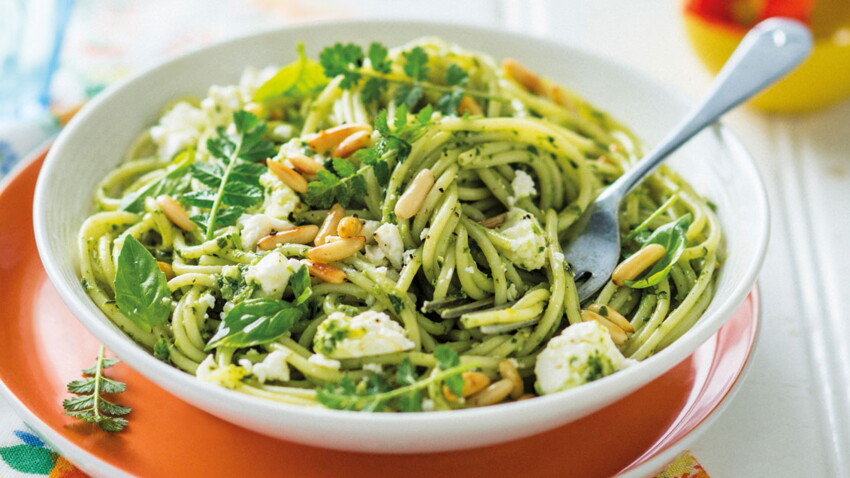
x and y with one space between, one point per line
44 347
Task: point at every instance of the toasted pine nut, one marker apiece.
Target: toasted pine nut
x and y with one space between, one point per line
337 250
329 274
328 139
612 315
349 226
175 213
495 221
509 372
330 224
166 269
525 77
256 109
559 96
289 176
473 382
351 144
617 334
411 201
469 105
638 262
495 393
296 235
304 165
526 397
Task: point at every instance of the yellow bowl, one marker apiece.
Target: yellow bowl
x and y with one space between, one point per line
823 79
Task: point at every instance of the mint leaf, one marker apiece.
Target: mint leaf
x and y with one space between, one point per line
296 80
141 291
254 322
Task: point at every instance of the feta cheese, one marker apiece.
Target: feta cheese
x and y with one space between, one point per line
220 104
273 367
582 353
258 226
375 255
229 376
322 361
180 128
373 367
368 230
521 240
367 334
271 274
280 199
389 240
523 185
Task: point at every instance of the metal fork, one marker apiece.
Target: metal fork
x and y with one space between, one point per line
769 51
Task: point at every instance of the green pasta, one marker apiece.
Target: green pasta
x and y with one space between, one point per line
382 229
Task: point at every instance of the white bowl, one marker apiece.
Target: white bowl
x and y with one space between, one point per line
93 144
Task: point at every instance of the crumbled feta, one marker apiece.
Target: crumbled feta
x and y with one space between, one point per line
523 185
374 254
220 104
367 334
408 255
582 353
271 274
258 226
273 367
229 376
389 240
182 127
513 293
521 240
373 367
207 300
322 361
280 200
368 230
428 405
424 233
252 78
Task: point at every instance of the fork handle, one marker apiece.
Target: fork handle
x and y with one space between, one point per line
768 52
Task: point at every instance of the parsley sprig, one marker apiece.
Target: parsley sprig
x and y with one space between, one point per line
342 180
234 180
89 404
348 61
374 393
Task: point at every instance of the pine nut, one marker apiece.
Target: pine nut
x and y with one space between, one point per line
351 144
526 397
166 269
509 372
495 221
613 316
638 262
495 393
304 165
328 139
473 382
559 96
288 176
617 334
337 250
349 226
296 235
469 105
525 77
411 201
175 213
329 274
330 224
256 109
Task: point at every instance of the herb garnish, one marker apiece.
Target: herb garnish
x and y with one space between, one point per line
255 322
172 181
141 290
375 393
296 80
89 404
674 237
234 181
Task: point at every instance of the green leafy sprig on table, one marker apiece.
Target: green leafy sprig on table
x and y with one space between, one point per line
348 60
89 404
343 180
402 392
234 180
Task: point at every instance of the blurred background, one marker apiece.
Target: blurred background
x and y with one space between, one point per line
791 417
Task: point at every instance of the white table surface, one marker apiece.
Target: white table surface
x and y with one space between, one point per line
791 417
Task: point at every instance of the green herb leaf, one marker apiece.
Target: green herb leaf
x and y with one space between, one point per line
673 236
344 60
456 76
300 284
89 404
296 80
449 102
416 63
141 290
160 349
343 168
447 359
373 89
378 57
173 181
254 322
408 94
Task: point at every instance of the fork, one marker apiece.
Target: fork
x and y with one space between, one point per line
768 52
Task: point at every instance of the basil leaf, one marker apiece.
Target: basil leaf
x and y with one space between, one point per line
446 359
300 284
254 322
173 180
141 291
673 236
295 80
